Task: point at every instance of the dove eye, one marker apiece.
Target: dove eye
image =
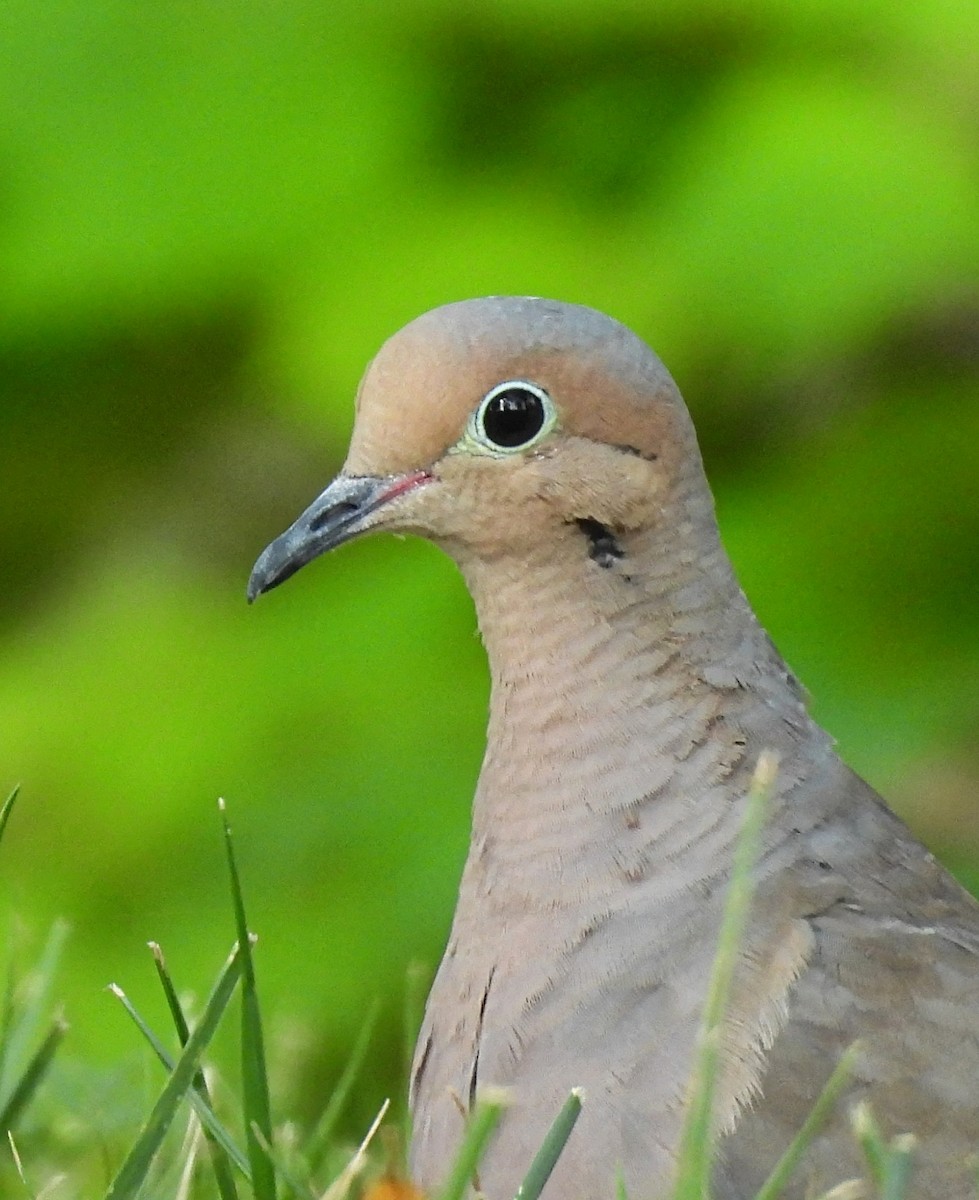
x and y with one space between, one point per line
512 416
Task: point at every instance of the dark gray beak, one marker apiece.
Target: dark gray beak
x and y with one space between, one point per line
334 517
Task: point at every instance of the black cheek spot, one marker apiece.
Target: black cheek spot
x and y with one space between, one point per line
603 546
649 457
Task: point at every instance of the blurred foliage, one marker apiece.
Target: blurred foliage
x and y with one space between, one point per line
212 214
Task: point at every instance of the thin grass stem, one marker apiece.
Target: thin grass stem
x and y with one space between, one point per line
483 1121
38 1066
219 1145
696 1154
136 1165
326 1125
551 1148
412 1015
26 1024
818 1114
202 1107
339 1188
7 808
900 1161
254 1075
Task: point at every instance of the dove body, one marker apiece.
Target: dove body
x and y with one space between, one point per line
548 451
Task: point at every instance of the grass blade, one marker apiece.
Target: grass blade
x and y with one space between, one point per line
849 1189
900 1160
137 1163
340 1187
299 1188
254 1076
7 809
320 1137
818 1114
202 1106
696 1154
9 1015
871 1143
219 1144
482 1124
25 1026
170 994
36 1069
416 979
550 1151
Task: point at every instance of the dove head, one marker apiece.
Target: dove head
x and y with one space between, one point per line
497 426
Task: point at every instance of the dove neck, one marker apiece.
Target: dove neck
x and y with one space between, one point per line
622 686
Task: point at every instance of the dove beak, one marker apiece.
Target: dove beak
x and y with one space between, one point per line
343 511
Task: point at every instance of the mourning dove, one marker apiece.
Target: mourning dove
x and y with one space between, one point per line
548 451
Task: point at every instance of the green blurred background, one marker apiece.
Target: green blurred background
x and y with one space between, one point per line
211 214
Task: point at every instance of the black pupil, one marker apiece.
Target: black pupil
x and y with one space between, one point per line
513 417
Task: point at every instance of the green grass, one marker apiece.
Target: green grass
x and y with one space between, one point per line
182 1147
163 1156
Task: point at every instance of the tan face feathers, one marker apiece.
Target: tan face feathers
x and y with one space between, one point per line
425 382
484 421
